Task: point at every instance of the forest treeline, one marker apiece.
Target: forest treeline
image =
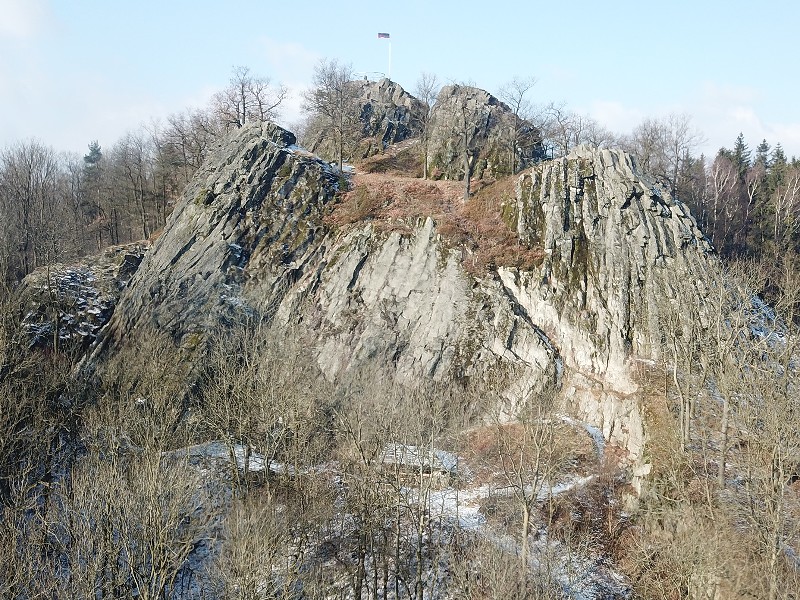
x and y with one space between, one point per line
55 207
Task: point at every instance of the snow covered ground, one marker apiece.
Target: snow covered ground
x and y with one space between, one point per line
460 506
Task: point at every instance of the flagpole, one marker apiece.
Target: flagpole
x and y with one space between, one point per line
388 38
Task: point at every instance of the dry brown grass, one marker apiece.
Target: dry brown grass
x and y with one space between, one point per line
483 446
401 159
476 228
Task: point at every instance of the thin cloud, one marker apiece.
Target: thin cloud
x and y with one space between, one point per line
719 111
616 116
22 19
288 59
724 111
715 93
789 137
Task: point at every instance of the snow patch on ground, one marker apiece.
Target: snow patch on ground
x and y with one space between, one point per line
594 432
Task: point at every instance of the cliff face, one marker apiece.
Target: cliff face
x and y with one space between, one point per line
618 253
623 264
249 240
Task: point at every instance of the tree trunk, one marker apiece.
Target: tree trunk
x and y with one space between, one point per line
466 175
425 159
723 450
526 526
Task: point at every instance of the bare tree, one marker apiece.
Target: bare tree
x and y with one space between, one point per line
514 93
528 457
29 179
768 416
663 146
333 99
132 167
256 538
248 97
426 90
558 126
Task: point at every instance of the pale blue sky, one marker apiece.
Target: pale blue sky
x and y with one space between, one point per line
76 70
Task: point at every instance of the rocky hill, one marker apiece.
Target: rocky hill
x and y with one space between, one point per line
552 388
250 240
612 262
578 288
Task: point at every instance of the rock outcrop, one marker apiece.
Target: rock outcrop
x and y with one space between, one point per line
249 240
383 114
250 218
67 305
469 118
624 263
388 112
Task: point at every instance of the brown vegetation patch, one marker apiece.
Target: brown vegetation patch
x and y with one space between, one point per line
484 446
476 228
591 516
398 159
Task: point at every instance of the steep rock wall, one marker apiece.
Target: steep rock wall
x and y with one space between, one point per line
388 113
624 263
405 301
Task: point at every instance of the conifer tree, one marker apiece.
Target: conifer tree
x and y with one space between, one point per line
741 156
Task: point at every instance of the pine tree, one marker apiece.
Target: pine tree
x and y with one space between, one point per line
92 196
762 154
741 156
778 166
95 154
